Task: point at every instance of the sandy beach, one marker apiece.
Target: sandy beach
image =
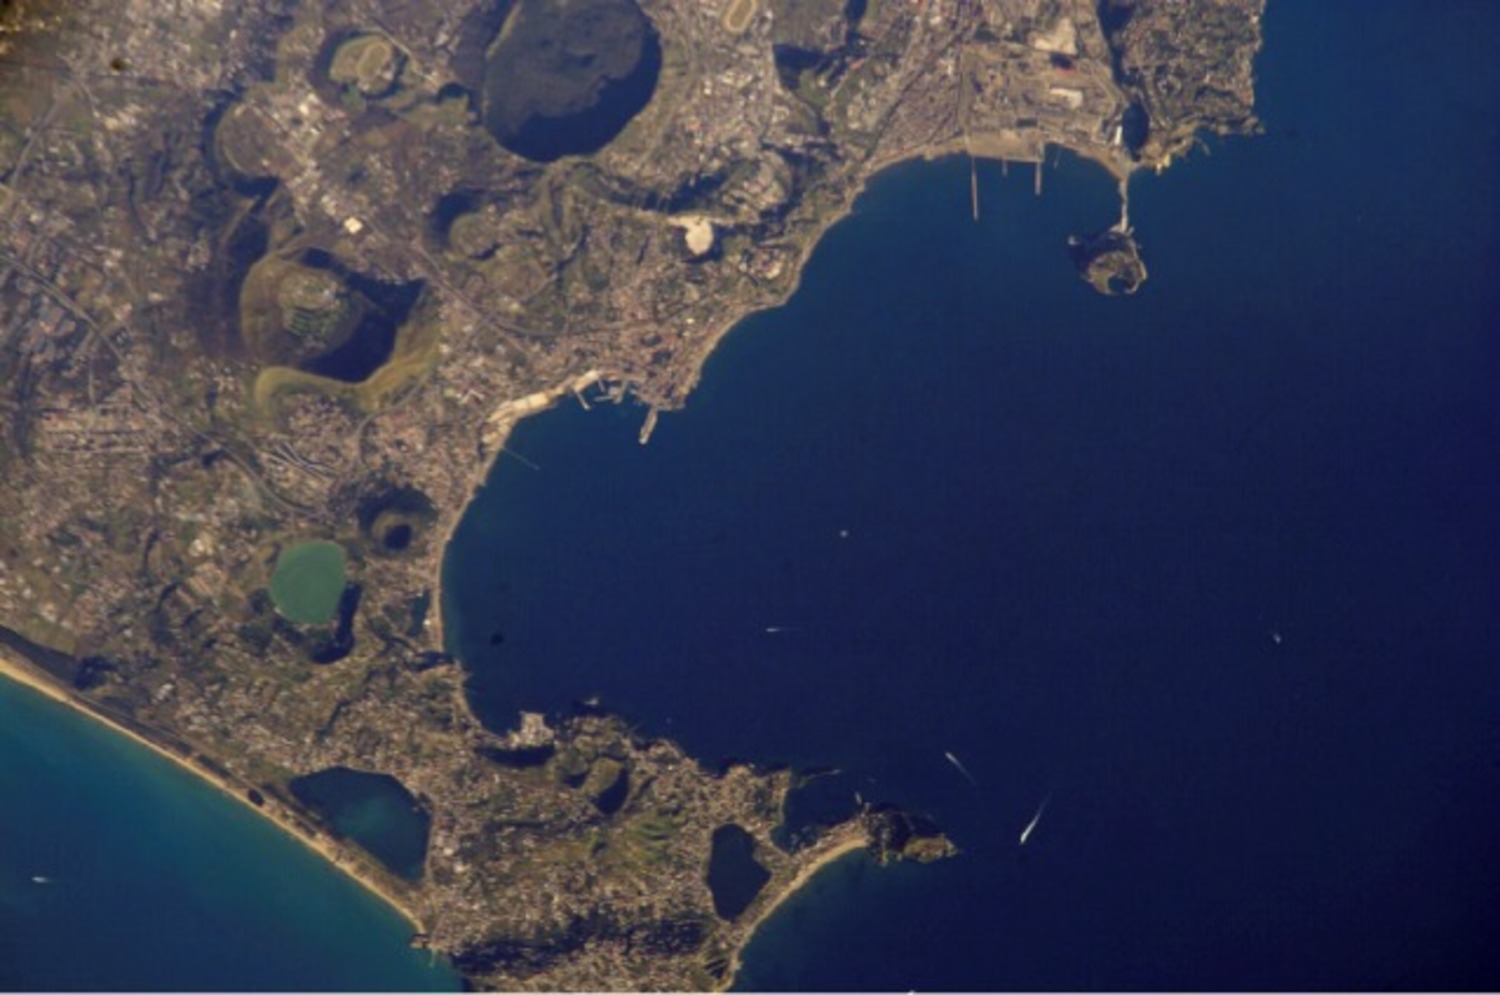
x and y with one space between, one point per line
496 430
848 842
14 668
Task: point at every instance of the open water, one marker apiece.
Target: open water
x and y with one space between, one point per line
153 880
1215 570
375 811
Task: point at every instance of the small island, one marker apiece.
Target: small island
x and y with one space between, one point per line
1110 261
281 279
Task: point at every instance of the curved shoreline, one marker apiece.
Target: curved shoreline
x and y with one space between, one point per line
1118 169
496 428
494 431
15 669
836 851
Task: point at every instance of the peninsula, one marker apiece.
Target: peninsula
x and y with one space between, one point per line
277 278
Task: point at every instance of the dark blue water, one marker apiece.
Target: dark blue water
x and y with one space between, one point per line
158 882
734 876
375 811
1215 568
566 57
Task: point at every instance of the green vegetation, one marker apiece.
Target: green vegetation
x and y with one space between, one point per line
472 234
289 312
245 145
370 70
368 63
442 111
570 766
395 519
647 841
807 24
312 303
16 17
738 14
308 582
412 358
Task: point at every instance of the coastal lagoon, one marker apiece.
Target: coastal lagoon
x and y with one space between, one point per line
120 871
373 810
1213 568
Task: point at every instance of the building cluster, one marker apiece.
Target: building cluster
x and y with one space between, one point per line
153 462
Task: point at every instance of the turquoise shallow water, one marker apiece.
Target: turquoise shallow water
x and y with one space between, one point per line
1073 526
156 881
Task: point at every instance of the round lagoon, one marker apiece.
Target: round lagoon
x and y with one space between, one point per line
375 811
1212 567
565 78
308 581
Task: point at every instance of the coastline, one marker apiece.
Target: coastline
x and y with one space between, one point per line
836 851
495 430
15 669
496 427
1117 170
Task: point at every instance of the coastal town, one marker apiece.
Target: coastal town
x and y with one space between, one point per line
289 272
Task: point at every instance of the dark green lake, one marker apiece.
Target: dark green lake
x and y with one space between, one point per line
1214 568
569 76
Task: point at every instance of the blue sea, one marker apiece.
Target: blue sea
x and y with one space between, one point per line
1214 571
153 880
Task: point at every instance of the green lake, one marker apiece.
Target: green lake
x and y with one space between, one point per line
308 581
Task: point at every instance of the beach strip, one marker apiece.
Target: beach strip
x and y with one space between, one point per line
837 848
355 865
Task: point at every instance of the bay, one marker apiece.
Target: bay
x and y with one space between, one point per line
1214 569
